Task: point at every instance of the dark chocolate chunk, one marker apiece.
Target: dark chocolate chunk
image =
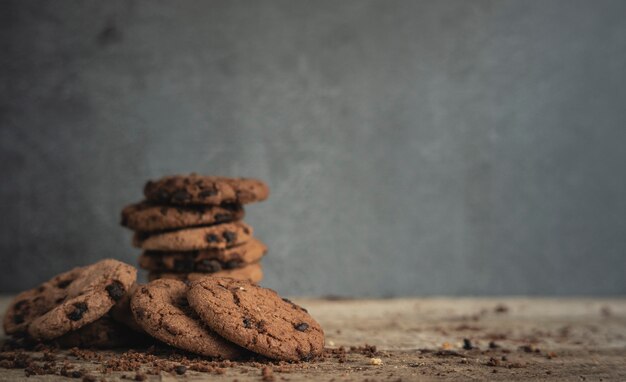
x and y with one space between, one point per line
232 264
180 369
247 323
209 266
207 193
180 196
18 319
115 290
230 237
302 326
307 357
79 309
163 195
221 218
467 344
211 238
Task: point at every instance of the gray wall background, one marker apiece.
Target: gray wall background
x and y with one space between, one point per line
412 147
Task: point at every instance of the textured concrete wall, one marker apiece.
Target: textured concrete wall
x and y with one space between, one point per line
412 147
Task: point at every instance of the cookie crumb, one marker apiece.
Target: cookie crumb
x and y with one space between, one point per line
376 361
267 374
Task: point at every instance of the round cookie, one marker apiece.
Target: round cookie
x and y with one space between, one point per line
89 296
149 217
161 308
217 236
103 333
197 189
256 318
204 260
252 273
33 303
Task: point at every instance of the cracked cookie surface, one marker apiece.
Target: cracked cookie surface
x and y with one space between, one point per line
197 189
70 300
149 217
218 236
204 260
251 272
257 319
161 309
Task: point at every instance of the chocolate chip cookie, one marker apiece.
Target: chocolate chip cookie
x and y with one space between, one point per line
87 294
70 300
256 318
150 217
204 260
213 190
161 308
217 236
252 272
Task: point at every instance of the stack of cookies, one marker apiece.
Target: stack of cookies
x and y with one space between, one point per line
190 226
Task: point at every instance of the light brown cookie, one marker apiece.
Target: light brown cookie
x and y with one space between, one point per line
161 308
90 296
256 318
149 217
204 260
103 333
252 273
70 300
217 236
197 189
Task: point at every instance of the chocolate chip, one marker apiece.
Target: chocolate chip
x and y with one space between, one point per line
467 344
140 313
180 369
230 236
64 283
247 323
184 265
20 304
209 266
220 218
207 193
180 196
18 319
301 326
76 374
163 211
211 238
79 309
307 357
162 195
232 264
115 290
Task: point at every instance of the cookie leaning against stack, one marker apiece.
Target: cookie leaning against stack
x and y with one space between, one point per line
189 226
73 307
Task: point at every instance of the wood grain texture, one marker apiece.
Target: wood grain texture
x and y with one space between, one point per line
577 339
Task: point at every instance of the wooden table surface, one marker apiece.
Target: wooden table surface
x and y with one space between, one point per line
422 339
